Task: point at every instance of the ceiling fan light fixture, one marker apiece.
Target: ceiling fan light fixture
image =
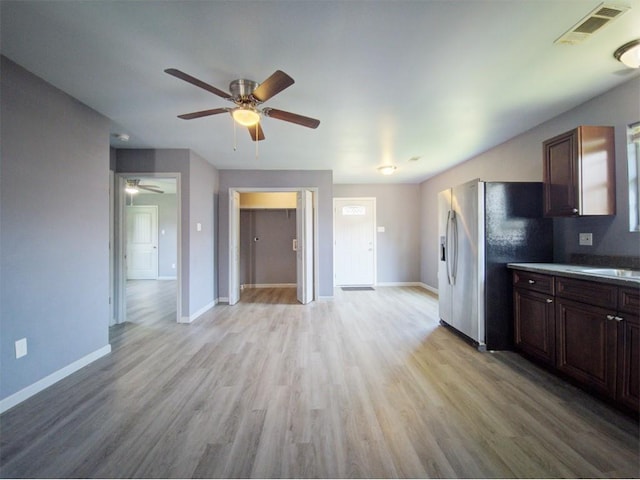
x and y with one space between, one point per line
245 116
132 187
629 54
387 169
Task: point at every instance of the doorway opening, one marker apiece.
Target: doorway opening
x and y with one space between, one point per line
146 264
272 243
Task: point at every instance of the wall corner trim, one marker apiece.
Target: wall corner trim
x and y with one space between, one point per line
27 392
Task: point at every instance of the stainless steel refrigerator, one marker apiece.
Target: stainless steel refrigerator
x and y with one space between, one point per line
482 227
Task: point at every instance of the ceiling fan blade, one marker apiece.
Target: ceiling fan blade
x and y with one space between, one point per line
273 85
256 132
291 117
150 189
203 113
198 83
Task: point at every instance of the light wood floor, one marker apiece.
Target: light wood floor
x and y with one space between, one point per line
364 385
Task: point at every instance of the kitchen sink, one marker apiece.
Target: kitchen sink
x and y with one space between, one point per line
609 272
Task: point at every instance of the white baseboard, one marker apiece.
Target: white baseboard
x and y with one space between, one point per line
195 315
27 392
326 297
223 299
429 288
167 278
269 285
408 284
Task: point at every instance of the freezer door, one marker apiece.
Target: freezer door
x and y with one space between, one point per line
467 314
444 283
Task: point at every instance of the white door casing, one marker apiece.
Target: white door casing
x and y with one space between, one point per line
234 247
304 246
354 241
142 242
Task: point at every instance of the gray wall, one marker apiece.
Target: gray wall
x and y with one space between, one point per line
198 190
202 190
168 222
54 229
320 179
271 259
398 211
520 159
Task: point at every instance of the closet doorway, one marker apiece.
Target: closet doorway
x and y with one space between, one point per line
272 238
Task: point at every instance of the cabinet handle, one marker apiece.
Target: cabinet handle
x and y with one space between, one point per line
618 319
549 300
610 317
532 282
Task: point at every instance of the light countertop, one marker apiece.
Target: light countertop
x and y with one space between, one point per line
622 277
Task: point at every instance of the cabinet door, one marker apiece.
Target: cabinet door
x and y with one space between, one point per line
586 344
629 349
560 175
534 324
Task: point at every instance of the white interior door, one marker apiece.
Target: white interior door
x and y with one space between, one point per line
354 246
234 247
304 246
142 242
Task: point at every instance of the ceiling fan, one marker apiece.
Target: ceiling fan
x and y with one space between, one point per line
248 96
134 186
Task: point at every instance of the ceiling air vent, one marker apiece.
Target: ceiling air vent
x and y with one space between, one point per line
604 14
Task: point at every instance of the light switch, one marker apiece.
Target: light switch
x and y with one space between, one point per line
380 229
198 227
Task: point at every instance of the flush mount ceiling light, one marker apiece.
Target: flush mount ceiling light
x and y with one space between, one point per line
387 169
122 137
629 54
246 116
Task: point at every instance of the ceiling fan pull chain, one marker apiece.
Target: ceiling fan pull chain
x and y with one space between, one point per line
256 142
235 141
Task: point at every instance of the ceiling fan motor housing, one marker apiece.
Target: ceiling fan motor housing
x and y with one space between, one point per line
241 89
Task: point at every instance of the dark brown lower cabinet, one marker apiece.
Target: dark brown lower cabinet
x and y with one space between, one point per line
586 341
587 331
628 388
534 327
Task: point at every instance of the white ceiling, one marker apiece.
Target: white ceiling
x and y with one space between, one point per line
389 80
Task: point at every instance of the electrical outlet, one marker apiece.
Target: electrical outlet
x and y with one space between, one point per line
585 238
21 347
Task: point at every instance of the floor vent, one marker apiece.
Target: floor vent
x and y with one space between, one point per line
603 15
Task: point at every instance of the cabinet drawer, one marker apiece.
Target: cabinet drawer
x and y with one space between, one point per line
629 301
533 281
592 293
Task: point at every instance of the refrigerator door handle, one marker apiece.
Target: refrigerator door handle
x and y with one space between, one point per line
454 269
448 257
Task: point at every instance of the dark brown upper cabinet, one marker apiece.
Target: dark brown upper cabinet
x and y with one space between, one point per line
579 173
